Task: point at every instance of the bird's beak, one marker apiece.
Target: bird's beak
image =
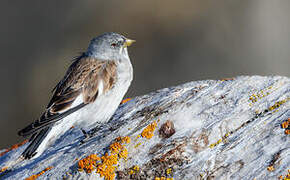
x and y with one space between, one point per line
128 42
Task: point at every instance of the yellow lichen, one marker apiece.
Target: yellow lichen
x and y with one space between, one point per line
134 169
148 132
278 104
260 94
212 145
223 139
137 145
227 134
138 136
168 171
34 177
131 172
271 108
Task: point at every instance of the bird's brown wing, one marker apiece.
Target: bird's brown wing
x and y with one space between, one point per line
86 76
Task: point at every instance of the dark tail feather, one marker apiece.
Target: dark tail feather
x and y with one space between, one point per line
37 126
35 141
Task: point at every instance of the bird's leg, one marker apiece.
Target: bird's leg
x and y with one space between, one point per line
89 134
86 136
85 133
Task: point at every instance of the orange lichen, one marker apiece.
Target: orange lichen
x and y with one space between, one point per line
286 177
33 177
115 147
107 167
270 168
3 169
89 163
110 159
227 79
163 178
126 100
124 153
15 146
126 140
148 132
108 163
285 125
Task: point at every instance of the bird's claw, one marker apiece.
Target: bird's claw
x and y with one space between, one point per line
87 136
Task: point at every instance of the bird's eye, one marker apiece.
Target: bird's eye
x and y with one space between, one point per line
113 44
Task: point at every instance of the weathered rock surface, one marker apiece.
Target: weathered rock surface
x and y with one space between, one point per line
213 129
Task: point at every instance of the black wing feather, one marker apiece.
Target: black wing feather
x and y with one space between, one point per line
39 125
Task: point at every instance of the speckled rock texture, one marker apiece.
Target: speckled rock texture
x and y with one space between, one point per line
214 129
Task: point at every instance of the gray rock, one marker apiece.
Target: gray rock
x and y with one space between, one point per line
213 129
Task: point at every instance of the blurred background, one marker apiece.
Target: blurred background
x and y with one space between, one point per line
177 42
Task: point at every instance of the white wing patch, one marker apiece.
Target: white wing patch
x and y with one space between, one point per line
100 87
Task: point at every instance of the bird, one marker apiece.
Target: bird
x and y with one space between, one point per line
89 93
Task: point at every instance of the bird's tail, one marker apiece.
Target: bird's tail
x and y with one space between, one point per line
35 142
28 153
31 150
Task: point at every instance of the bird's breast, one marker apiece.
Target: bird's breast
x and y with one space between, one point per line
106 104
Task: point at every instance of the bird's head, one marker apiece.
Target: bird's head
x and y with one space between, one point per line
109 46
